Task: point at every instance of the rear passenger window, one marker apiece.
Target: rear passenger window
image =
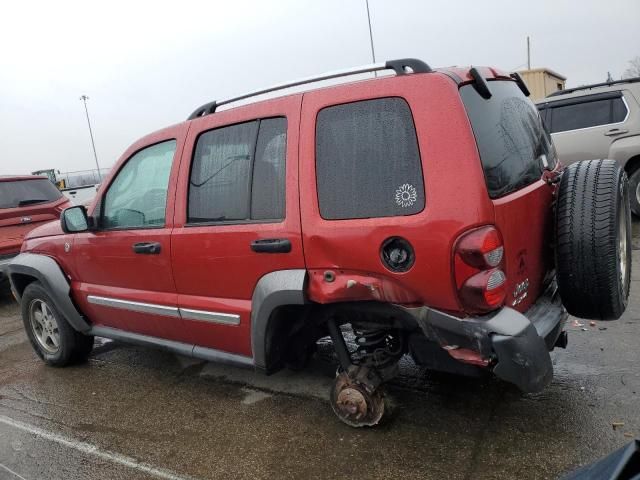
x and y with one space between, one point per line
238 173
367 160
618 110
512 142
586 112
581 115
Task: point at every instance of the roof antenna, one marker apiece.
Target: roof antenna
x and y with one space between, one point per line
373 52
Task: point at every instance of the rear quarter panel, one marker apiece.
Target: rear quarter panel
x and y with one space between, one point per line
455 200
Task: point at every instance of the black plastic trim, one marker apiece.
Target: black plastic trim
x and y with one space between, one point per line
401 65
203 353
206 109
579 100
480 84
521 84
275 289
595 85
519 342
50 275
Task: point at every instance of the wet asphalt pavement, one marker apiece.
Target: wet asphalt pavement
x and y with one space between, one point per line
133 413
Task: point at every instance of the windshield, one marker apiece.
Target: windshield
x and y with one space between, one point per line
21 193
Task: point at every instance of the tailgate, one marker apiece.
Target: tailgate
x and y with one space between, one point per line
525 219
514 150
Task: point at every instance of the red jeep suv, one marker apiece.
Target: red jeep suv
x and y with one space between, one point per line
424 208
25 203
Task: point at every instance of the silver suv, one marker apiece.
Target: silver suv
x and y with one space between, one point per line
598 121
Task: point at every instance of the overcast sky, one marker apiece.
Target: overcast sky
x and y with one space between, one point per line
146 65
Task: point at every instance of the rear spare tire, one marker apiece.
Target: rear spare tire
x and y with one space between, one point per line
634 191
593 249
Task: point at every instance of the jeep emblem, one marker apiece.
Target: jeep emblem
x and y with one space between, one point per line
25 219
67 247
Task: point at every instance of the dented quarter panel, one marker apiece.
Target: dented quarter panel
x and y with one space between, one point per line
354 245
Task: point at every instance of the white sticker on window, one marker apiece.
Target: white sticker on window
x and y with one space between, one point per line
406 195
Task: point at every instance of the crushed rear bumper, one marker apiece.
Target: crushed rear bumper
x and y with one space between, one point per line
514 344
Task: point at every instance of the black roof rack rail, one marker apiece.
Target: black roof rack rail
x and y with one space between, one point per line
595 85
401 67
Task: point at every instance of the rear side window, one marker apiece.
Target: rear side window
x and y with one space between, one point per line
238 173
367 160
585 112
21 193
512 142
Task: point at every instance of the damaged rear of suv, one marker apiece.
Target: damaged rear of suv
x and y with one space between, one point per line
425 210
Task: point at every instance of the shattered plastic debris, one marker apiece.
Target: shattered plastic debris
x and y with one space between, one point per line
592 323
616 425
577 323
628 434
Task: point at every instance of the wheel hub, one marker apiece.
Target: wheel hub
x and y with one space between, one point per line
356 404
44 326
622 246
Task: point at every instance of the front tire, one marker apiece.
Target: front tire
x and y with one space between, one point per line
51 336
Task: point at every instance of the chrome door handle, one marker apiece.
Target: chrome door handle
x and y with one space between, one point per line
615 131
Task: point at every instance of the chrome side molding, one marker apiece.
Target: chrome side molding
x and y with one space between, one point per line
151 308
211 317
165 310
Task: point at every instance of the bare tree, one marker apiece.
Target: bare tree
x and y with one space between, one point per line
633 70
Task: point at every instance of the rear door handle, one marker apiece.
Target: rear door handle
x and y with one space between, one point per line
615 131
148 248
271 245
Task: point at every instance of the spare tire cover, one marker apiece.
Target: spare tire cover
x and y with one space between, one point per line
593 240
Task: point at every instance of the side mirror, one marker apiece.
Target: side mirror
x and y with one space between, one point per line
74 219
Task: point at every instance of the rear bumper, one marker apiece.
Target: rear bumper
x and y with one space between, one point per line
516 345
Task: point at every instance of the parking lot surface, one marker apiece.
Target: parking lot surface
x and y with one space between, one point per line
134 412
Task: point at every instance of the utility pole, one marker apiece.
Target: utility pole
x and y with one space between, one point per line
373 52
84 99
528 54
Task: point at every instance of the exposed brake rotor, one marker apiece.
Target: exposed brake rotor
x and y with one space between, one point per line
354 403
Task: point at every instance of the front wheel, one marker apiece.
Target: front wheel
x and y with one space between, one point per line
51 336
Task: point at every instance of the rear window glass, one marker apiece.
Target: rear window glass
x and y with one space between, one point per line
511 139
22 193
367 160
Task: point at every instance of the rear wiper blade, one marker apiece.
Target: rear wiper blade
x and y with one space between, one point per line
29 201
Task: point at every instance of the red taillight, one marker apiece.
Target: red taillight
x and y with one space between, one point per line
480 280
